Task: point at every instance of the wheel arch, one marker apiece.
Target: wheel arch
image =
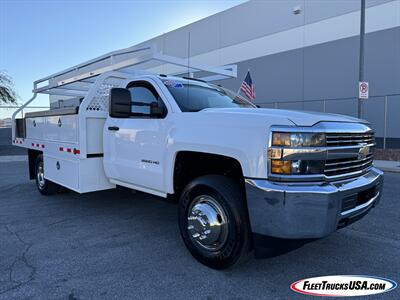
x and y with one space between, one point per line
188 165
32 155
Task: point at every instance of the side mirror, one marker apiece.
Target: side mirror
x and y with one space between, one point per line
120 103
156 110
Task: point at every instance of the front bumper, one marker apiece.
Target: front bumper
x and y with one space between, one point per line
296 211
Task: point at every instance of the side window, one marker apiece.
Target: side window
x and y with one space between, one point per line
143 95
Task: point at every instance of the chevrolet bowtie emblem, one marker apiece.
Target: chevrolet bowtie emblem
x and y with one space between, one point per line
363 152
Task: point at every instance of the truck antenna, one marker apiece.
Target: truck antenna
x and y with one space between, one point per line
188 47
188 64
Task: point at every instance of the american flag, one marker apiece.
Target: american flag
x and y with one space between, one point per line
247 87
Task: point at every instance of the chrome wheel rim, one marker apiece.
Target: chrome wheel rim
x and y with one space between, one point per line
40 176
207 223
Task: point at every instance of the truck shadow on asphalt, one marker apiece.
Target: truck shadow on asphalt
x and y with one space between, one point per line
268 247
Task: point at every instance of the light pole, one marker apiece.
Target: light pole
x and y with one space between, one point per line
361 63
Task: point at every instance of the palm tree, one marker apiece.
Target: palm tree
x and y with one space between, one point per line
7 92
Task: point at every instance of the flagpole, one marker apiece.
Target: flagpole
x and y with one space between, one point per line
238 92
240 87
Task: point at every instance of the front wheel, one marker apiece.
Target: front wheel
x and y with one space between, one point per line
45 187
213 221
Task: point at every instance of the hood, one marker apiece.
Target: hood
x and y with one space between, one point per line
299 118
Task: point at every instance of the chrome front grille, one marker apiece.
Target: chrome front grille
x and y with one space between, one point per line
334 167
349 139
362 160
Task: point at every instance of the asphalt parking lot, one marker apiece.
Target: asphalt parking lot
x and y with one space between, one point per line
122 245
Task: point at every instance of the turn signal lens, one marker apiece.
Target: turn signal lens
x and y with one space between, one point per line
274 153
281 166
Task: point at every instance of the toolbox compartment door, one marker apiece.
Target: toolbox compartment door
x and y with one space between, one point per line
62 128
62 171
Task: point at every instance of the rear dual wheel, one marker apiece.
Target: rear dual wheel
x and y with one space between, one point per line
45 186
213 221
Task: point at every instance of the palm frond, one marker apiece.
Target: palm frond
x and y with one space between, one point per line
7 92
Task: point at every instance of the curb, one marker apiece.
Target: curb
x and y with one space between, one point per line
387 166
13 158
390 170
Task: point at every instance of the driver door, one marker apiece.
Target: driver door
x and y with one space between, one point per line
134 146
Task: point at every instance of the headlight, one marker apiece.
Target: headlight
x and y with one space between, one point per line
287 166
296 167
298 139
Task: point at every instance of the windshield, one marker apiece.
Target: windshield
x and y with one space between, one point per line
195 97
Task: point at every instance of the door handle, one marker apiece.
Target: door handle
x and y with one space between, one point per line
113 128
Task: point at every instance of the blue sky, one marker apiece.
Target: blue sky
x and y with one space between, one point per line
40 37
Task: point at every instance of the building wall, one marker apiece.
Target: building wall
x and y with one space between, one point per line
255 19
329 72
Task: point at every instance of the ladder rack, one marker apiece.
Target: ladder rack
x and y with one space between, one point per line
78 80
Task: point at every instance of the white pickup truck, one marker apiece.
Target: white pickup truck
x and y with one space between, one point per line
236 170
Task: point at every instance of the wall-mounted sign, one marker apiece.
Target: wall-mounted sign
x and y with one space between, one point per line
363 90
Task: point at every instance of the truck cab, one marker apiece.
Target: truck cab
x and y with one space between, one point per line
148 128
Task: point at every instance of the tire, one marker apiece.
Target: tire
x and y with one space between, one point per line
45 187
214 222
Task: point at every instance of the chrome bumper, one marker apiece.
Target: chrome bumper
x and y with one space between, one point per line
308 210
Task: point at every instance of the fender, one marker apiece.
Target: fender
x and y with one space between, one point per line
229 135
